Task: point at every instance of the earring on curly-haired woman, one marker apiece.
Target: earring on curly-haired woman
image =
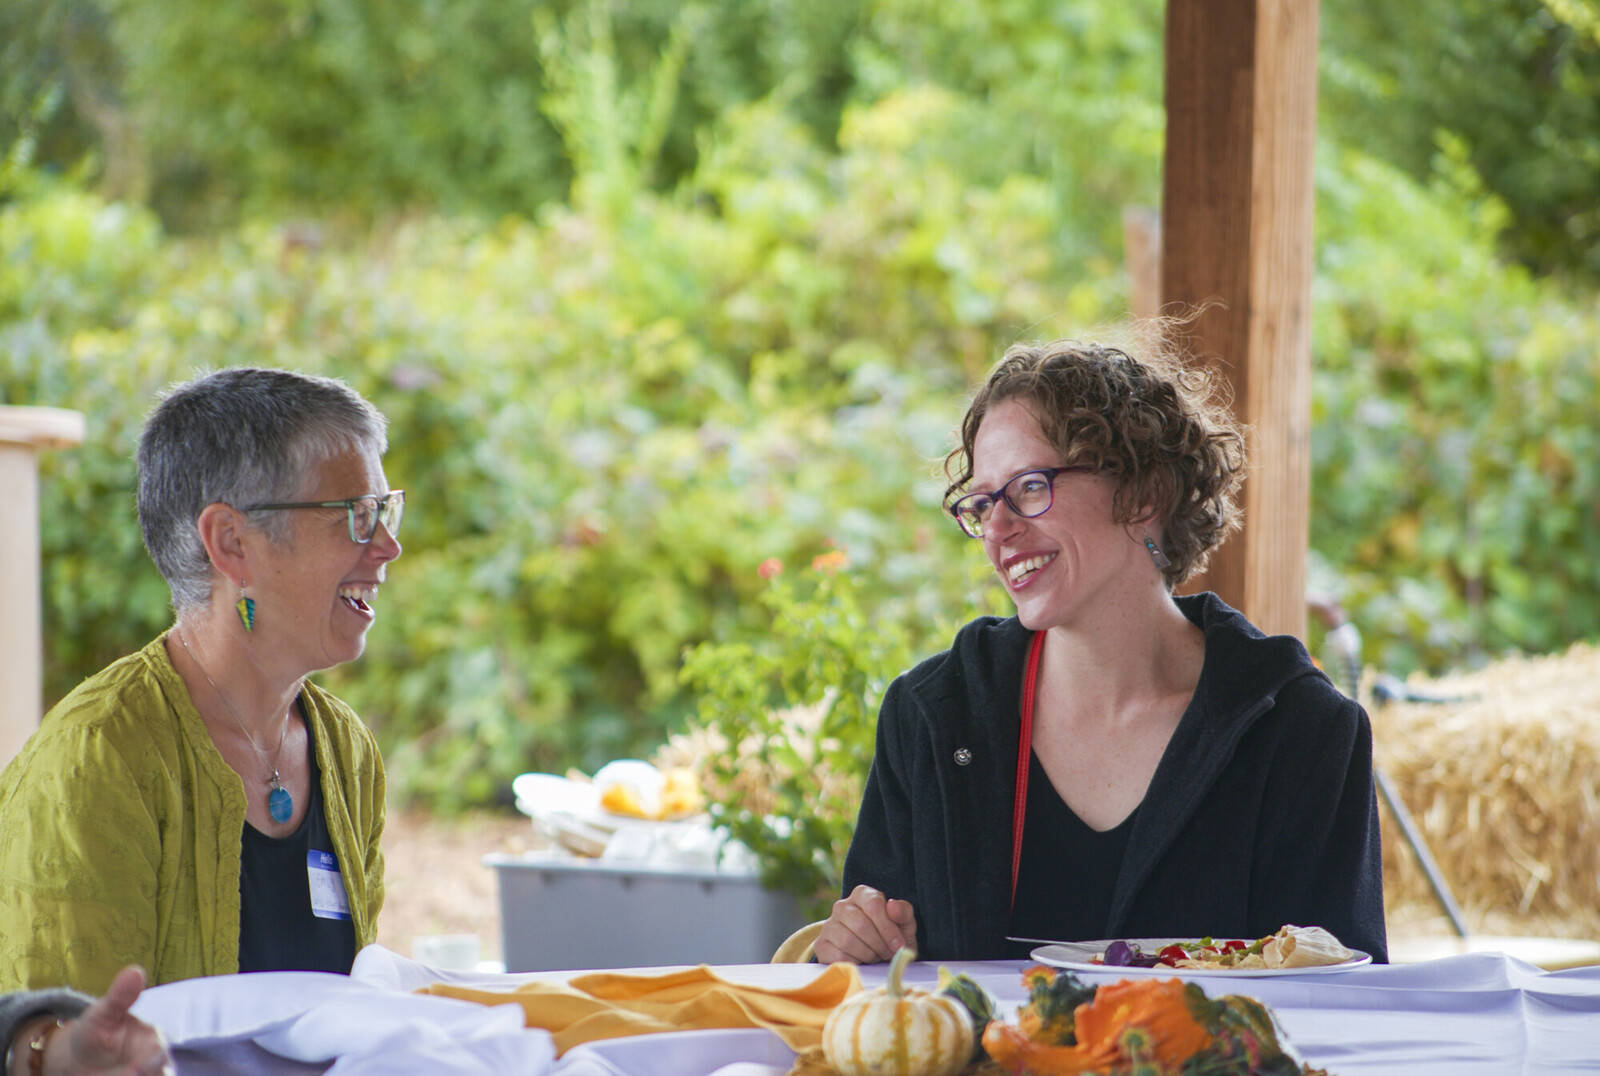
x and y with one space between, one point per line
1161 559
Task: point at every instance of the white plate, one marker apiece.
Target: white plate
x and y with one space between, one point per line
1076 956
551 793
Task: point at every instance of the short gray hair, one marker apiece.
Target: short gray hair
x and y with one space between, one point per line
239 436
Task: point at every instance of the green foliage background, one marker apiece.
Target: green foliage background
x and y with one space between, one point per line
652 291
798 704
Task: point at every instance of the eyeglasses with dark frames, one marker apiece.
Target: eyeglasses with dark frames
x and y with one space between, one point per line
364 513
1028 494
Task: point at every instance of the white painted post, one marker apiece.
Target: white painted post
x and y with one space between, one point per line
23 432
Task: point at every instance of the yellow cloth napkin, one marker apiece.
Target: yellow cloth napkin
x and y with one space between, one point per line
606 1005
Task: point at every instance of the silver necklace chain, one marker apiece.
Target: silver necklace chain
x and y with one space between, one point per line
274 780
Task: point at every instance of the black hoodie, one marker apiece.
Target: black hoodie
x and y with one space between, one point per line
1262 811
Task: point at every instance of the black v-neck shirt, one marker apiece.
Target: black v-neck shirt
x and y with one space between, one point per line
1068 870
277 929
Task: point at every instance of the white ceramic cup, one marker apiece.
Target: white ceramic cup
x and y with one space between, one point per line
451 952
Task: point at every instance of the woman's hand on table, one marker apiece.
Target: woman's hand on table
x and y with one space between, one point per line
866 928
107 1039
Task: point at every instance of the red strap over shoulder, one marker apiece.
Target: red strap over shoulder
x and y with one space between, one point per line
1019 809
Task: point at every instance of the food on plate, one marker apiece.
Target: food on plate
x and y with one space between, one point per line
897 1031
1145 1026
1204 953
623 799
681 795
1304 947
1290 947
638 789
1126 954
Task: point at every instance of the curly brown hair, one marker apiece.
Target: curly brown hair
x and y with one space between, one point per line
1160 428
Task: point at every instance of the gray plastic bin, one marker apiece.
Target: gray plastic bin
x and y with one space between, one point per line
558 913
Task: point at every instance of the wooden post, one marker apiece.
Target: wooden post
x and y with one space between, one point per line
23 432
1241 99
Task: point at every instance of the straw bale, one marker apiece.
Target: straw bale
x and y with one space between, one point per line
1504 783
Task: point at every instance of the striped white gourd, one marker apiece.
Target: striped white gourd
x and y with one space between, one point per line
893 1031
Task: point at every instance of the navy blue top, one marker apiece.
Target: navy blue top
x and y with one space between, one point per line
277 929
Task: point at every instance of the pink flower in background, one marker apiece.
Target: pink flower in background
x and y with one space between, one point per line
770 568
830 562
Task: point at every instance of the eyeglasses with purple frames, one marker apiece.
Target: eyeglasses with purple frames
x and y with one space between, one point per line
1028 494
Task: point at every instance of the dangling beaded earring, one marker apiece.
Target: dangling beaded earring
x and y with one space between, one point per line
1162 560
247 609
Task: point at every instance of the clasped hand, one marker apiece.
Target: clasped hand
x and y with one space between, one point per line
866 928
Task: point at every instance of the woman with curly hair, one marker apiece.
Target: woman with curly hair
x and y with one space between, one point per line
1113 761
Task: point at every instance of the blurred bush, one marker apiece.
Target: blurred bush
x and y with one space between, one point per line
749 337
1456 456
216 112
1516 83
605 420
788 720
365 108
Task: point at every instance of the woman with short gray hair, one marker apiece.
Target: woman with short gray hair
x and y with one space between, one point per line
200 807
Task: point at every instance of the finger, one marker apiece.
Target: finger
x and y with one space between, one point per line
94 1034
119 996
904 916
884 932
98 1037
841 938
865 913
844 948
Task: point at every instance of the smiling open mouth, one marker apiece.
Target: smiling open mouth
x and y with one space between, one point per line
359 598
1024 569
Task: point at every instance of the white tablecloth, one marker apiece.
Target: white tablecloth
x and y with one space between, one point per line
1482 1013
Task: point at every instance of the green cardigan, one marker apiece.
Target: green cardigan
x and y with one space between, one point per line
120 832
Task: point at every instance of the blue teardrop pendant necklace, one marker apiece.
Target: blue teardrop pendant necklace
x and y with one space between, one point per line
280 804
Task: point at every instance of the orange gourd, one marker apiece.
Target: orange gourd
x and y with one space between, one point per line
1148 1021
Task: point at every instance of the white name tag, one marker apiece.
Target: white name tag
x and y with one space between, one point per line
328 899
